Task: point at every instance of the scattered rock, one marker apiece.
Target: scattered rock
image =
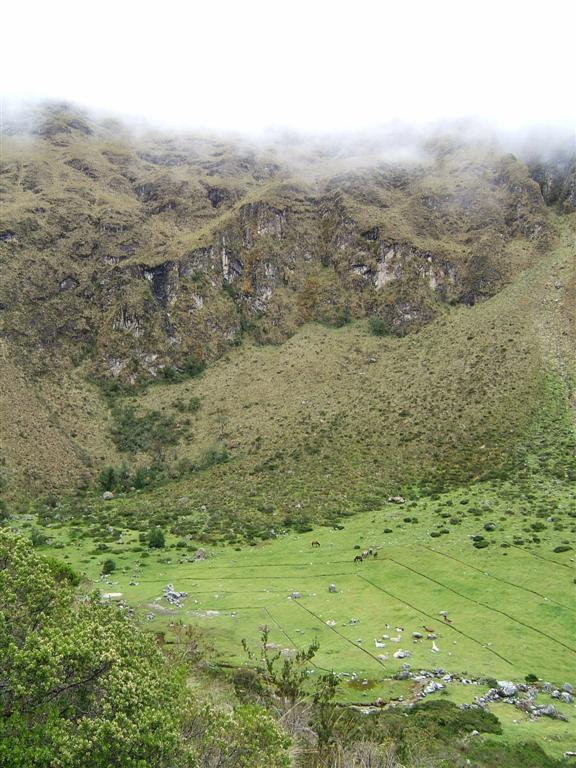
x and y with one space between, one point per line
400 654
432 688
107 495
173 597
548 710
295 596
396 499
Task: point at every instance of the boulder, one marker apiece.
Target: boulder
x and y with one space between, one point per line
295 596
507 688
548 710
107 495
332 588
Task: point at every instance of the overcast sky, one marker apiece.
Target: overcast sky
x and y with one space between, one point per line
307 64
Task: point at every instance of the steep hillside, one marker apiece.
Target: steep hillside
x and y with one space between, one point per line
145 252
366 323
336 420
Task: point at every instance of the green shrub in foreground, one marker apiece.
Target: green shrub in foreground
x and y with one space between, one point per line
74 675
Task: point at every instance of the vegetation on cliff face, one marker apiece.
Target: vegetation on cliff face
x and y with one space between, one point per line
130 259
142 251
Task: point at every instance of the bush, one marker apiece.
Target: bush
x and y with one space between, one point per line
213 456
247 737
192 406
377 326
108 566
156 538
132 433
37 537
107 479
100 694
193 366
62 572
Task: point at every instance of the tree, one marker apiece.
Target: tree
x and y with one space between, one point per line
285 678
156 539
80 685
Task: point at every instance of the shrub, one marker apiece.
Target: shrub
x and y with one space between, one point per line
538 526
247 737
378 326
192 406
193 365
37 537
156 538
213 456
102 694
107 479
108 566
132 433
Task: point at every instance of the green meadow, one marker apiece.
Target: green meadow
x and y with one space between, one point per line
508 595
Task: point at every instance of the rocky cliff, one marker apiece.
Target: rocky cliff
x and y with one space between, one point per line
151 253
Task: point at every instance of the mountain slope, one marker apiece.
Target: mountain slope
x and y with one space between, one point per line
131 259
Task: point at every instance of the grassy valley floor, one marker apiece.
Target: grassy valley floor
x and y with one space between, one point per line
509 594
